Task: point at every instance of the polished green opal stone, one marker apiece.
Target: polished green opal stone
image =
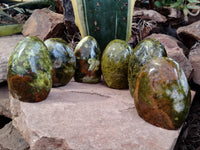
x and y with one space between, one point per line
114 64
142 53
30 71
162 94
88 55
63 59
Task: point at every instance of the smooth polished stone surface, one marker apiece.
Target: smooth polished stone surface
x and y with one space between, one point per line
63 61
142 53
114 64
30 70
162 95
88 57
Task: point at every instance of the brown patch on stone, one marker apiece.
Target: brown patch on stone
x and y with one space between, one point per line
51 143
55 79
158 110
20 89
41 95
153 113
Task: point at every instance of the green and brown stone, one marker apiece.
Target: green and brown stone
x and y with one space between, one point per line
88 55
114 64
63 61
162 94
30 71
142 53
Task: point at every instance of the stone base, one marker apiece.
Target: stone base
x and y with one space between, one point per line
11 139
86 117
7 44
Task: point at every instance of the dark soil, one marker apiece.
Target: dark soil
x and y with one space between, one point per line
189 137
3 121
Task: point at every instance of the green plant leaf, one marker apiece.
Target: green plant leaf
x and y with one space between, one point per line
185 10
193 1
177 4
32 3
158 4
168 2
163 2
10 29
193 7
105 20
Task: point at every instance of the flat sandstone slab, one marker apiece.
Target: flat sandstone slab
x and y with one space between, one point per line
88 117
7 44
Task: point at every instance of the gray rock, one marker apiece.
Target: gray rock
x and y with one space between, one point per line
194 58
87 117
4 101
7 45
149 15
11 139
175 50
189 34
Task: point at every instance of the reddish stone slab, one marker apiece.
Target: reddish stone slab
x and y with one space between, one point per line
88 116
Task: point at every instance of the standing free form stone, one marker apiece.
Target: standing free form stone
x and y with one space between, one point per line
162 94
114 64
63 59
143 52
88 55
30 71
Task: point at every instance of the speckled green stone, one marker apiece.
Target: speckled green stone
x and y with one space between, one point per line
88 55
143 52
162 94
63 60
30 71
114 64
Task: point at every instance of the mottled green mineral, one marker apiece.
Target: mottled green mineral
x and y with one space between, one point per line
114 64
142 53
88 55
30 71
63 61
162 94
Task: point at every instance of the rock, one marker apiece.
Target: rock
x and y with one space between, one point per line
7 45
114 64
51 143
30 70
162 94
142 53
175 50
145 22
88 57
63 59
11 139
88 116
194 58
192 19
189 34
149 15
44 24
4 101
